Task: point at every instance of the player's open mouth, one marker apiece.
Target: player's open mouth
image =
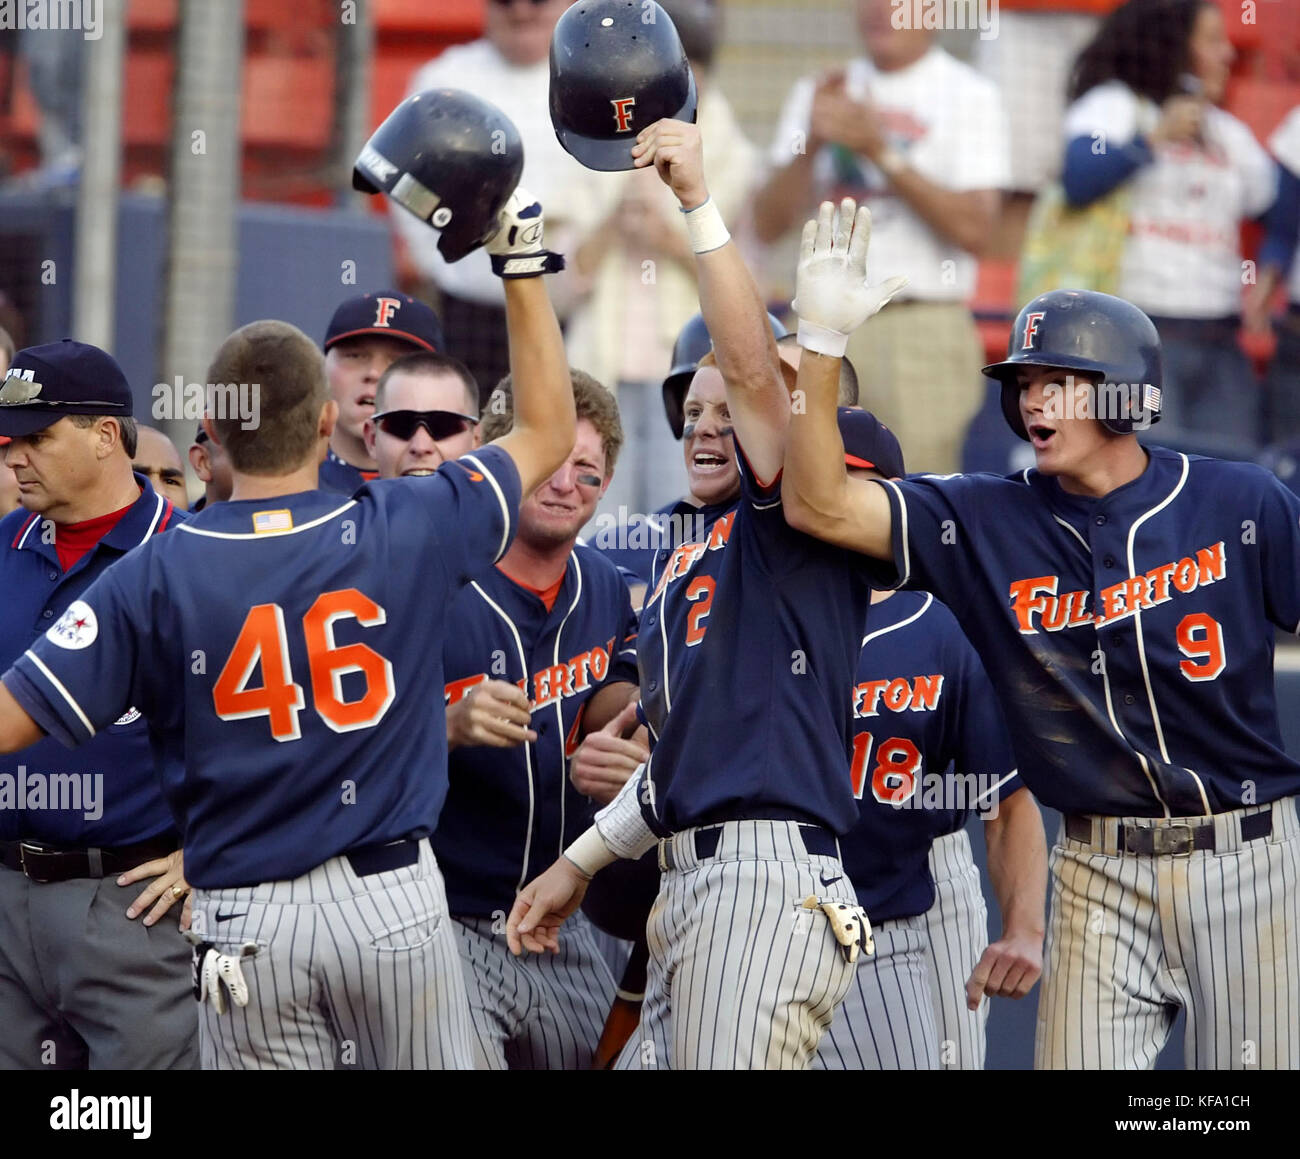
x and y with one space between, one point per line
707 463
418 471
366 400
1040 435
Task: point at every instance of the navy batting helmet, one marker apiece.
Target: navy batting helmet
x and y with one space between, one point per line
1094 333
693 343
450 158
616 68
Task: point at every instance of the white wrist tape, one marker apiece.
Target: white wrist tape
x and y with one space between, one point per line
621 823
590 853
707 230
822 340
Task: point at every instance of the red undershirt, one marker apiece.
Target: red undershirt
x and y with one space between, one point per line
547 595
73 540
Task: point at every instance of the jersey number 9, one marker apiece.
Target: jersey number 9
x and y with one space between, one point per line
263 639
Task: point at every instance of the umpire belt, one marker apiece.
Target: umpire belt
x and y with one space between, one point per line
45 864
1157 838
750 840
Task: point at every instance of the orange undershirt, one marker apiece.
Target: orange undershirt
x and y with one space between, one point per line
73 540
548 595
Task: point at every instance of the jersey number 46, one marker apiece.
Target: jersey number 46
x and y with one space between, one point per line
263 639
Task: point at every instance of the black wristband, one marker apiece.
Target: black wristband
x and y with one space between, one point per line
527 265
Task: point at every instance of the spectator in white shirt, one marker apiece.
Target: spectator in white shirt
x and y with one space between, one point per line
509 67
919 137
1144 112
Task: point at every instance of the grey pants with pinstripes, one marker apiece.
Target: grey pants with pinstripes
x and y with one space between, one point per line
741 976
886 1022
356 972
957 934
1132 938
537 1011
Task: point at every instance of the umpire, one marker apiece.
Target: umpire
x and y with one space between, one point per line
82 985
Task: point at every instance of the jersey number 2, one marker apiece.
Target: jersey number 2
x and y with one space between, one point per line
898 761
263 639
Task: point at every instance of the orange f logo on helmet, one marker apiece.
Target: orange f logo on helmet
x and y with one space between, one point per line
385 308
623 112
1031 328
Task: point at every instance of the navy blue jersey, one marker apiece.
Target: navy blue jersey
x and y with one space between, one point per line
283 652
748 640
929 747
510 812
107 792
1129 636
342 478
637 543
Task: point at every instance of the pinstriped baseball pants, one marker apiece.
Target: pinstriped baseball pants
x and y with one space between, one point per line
350 971
741 977
537 1011
886 1021
1132 938
957 934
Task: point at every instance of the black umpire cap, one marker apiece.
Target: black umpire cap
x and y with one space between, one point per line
616 68
44 383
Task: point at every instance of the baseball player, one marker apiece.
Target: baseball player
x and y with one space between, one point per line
281 651
81 986
546 650
365 335
640 538
930 749
157 459
746 631
1121 598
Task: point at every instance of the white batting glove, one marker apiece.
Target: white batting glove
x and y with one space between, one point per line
516 248
211 970
832 297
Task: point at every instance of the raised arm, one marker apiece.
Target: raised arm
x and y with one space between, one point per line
729 300
543 431
832 301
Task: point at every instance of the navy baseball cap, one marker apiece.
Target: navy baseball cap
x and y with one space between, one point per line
869 443
388 313
44 383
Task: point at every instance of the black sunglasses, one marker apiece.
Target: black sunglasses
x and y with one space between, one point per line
441 424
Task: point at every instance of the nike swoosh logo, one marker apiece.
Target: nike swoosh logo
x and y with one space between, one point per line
824 881
227 917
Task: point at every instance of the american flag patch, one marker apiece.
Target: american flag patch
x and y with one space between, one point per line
266 521
1151 396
